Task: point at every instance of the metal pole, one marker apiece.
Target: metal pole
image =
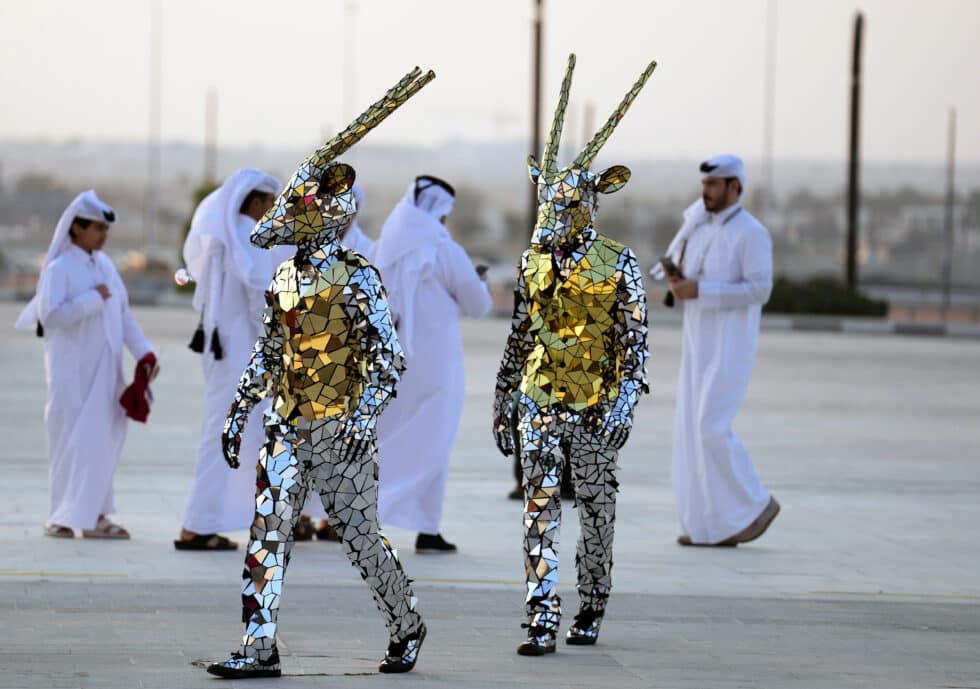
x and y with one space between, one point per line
853 199
769 107
152 205
348 89
588 124
535 106
210 135
949 219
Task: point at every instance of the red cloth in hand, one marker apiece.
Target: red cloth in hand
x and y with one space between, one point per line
137 398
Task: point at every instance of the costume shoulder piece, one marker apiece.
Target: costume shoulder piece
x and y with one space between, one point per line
610 243
354 258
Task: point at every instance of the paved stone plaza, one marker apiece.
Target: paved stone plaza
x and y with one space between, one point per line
869 577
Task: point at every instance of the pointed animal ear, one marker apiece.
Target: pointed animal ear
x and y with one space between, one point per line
336 179
613 179
533 168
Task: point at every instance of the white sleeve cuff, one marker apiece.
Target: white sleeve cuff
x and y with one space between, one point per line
709 294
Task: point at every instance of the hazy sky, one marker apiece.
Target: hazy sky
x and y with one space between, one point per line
81 68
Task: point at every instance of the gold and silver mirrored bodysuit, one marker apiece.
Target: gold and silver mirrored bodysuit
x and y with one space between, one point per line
576 360
576 355
330 357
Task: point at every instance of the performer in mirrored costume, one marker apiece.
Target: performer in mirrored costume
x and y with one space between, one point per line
330 357
352 238
576 357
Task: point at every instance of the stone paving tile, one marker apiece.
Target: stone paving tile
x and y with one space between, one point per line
108 634
867 579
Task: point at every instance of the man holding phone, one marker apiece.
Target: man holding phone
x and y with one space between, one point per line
719 267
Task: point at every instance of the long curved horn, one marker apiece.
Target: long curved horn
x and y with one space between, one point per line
549 160
393 99
589 153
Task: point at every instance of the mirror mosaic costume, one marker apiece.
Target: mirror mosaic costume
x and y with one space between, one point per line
573 370
330 358
575 364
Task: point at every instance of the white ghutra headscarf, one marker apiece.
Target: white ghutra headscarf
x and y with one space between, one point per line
87 206
218 243
409 243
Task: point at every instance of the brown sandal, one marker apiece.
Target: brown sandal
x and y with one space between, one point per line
205 541
106 530
58 531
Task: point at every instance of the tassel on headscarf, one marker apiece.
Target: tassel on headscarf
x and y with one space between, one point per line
39 330
216 349
197 340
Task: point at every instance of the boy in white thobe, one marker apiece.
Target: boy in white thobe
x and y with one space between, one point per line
231 277
82 311
725 260
430 279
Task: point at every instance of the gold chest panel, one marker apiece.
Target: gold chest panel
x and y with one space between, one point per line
576 354
323 367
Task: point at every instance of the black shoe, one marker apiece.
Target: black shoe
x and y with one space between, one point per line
427 543
401 656
539 642
325 532
585 629
303 529
517 493
243 667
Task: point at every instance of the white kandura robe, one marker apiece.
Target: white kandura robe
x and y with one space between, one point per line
355 240
417 431
222 498
717 489
83 340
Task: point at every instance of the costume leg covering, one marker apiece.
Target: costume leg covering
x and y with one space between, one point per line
594 473
348 487
542 464
280 492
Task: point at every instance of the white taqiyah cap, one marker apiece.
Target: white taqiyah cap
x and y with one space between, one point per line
724 165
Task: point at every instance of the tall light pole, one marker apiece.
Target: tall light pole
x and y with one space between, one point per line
348 87
949 217
151 207
537 22
769 97
853 193
211 135
588 123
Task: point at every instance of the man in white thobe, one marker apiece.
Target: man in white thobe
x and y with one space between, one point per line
430 280
231 278
724 256
82 311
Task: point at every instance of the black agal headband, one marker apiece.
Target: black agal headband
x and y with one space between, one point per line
423 182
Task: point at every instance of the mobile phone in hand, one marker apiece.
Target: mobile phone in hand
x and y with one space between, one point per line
670 267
